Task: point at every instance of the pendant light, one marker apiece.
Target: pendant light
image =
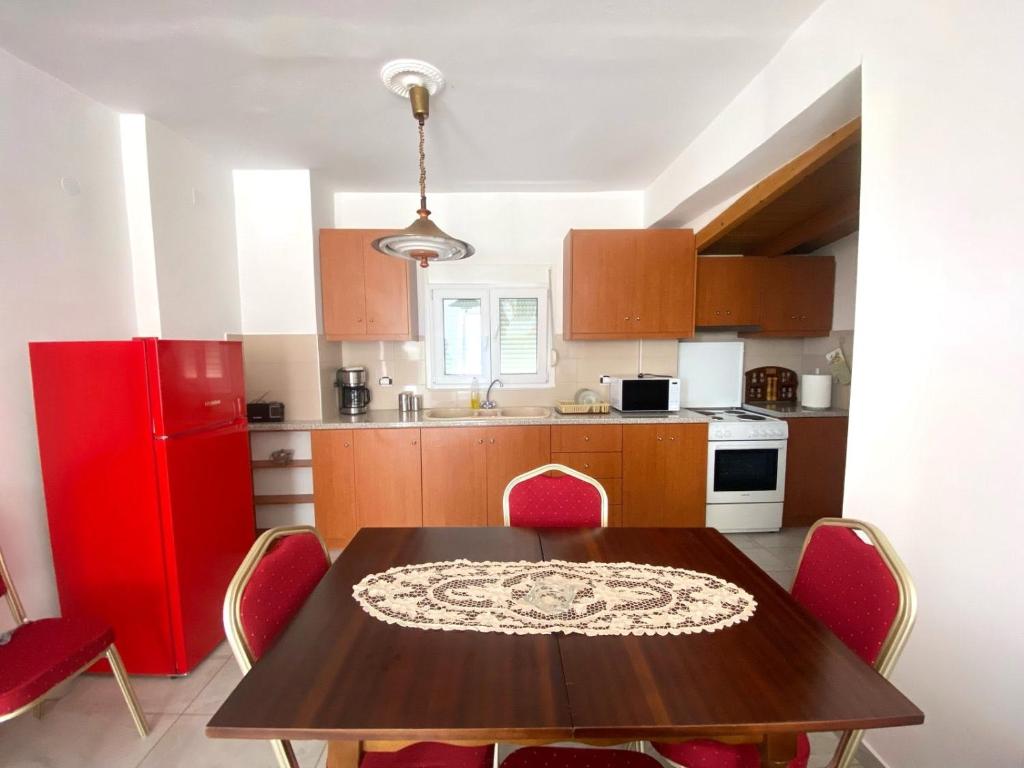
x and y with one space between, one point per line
423 240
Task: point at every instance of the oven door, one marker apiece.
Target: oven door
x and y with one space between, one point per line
746 471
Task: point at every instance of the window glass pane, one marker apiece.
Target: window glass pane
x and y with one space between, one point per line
463 337
517 335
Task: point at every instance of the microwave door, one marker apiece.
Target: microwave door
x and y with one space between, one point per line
746 471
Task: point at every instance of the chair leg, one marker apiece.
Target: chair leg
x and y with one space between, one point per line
285 754
121 675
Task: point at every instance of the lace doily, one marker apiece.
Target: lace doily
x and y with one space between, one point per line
529 598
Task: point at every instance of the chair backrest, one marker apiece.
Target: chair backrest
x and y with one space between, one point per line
851 578
569 500
282 568
8 591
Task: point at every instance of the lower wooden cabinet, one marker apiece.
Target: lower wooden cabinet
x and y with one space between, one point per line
510 452
664 472
334 485
466 469
815 470
389 491
454 475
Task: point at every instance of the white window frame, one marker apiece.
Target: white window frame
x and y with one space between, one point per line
489 296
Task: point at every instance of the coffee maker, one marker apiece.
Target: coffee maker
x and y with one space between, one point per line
353 394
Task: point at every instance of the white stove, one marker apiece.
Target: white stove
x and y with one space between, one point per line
746 450
740 424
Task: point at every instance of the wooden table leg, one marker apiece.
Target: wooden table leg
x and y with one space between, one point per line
344 754
777 750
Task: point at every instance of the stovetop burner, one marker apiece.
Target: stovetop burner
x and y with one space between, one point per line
729 414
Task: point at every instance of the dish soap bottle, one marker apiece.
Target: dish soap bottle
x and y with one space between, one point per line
474 394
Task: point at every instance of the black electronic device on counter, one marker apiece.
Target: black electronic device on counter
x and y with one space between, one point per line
261 410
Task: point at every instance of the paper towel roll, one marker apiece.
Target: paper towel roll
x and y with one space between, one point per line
816 390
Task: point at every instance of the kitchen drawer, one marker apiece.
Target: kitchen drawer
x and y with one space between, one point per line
597 465
586 437
614 515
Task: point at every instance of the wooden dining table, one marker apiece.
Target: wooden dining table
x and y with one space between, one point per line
337 673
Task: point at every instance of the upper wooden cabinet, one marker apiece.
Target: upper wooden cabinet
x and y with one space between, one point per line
366 295
728 291
629 284
797 295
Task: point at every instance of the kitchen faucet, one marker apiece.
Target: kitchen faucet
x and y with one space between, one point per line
488 403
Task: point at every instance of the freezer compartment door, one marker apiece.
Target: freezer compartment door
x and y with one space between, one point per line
194 384
207 511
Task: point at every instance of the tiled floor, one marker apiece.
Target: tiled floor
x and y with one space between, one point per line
90 725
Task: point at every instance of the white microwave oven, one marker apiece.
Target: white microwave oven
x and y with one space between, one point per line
644 394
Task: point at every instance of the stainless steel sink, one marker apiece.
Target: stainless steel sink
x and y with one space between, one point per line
512 412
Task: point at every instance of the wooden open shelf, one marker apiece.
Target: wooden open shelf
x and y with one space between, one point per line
288 498
267 464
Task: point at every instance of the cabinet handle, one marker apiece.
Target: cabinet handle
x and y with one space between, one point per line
728 311
672 438
586 438
803 317
480 441
347 445
660 438
372 320
718 312
586 466
637 317
359 319
491 441
626 319
792 317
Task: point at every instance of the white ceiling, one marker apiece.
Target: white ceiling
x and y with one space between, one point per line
543 95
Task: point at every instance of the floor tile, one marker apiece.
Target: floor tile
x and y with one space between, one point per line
783 578
221 650
766 559
212 696
744 541
74 737
186 744
789 555
787 537
156 694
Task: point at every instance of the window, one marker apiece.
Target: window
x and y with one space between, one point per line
487 333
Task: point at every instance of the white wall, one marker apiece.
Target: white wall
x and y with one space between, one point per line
193 219
936 465
276 264
66 275
845 251
506 229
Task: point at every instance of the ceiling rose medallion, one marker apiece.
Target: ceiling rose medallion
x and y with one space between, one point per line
422 241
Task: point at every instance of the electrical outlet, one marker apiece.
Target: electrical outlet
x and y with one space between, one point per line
385 381
605 379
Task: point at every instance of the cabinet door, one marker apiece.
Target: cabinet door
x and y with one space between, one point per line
686 462
728 291
510 452
600 274
389 282
798 294
342 284
388 482
663 474
454 475
815 470
665 273
644 475
334 485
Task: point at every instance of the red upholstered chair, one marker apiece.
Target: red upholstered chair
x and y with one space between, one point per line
854 582
38 655
576 757
281 570
571 499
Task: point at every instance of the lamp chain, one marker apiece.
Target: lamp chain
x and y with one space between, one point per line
423 169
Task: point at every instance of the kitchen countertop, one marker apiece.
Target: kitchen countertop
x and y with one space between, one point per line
395 419
794 410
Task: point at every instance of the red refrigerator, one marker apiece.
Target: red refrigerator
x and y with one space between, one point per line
145 457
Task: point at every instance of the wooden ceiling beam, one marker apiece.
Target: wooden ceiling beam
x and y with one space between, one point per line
842 217
778 183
